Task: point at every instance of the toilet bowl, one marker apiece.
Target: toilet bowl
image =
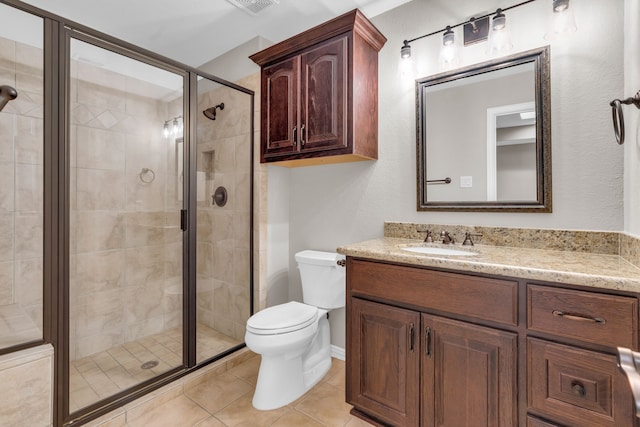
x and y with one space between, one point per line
293 338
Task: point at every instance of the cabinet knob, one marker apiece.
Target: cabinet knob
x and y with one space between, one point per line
578 389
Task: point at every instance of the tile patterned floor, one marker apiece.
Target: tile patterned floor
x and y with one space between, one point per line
224 399
103 374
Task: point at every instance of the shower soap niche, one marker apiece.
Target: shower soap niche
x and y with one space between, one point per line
207 162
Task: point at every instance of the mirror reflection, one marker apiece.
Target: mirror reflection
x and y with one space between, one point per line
484 136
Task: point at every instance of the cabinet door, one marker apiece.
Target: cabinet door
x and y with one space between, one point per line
469 375
280 85
323 96
382 377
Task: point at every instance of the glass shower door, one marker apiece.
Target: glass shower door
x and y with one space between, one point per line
21 178
223 190
126 242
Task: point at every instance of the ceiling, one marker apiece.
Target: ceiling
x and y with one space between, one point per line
196 31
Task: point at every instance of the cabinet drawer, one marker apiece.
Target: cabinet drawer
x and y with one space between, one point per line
577 387
482 298
534 422
588 316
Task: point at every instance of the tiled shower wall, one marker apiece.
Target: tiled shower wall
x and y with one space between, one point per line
126 243
21 173
224 159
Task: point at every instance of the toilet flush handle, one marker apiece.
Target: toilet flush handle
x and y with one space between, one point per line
341 262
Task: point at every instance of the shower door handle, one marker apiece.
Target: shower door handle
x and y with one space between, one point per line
183 219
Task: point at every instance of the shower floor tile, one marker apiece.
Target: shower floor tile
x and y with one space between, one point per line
104 374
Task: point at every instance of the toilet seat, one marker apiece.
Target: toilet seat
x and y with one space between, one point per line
283 318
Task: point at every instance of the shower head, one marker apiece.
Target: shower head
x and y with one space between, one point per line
7 93
210 113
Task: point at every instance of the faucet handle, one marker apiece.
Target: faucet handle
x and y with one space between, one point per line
467 238
429 237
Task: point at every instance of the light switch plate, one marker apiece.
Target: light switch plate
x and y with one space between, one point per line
466 181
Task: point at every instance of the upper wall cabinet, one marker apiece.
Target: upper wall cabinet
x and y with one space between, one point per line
320 94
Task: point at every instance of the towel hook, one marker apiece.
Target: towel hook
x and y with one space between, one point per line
618 116
147 175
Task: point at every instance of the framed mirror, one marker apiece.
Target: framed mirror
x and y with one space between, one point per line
484 136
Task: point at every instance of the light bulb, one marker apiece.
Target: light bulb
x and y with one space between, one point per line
174 128
563 23
405 50
165 130
448 50
499 34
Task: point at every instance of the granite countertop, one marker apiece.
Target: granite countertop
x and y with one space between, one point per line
577 268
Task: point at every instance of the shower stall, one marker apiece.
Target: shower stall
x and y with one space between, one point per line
126 213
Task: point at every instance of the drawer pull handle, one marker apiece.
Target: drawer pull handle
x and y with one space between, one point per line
578 317
578 389
295 136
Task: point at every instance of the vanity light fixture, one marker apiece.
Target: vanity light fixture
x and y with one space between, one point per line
448 50
175 129
476 30
499 36
405 50
562 22
165 130
481 28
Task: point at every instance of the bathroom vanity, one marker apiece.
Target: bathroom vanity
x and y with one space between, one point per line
509 337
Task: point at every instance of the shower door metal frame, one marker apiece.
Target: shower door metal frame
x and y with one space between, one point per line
62 377
58 32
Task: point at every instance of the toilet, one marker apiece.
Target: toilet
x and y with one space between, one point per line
293 338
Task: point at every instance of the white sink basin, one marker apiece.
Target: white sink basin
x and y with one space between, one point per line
429 250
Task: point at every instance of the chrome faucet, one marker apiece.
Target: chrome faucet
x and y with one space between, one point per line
428 238
467 238
447 238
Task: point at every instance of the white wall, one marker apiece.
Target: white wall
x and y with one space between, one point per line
632 145
235 64
338 204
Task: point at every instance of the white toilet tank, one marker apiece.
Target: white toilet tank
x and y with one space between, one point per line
323 279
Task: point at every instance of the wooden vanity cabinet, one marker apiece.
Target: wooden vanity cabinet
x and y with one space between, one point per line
319 95
407 367
422 352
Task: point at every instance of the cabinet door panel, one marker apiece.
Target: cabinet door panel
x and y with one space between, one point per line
323 96
468 374
280 108
383 380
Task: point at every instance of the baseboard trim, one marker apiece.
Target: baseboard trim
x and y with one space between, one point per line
338 352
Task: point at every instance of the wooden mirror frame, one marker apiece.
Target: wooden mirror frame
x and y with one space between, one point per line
543 202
